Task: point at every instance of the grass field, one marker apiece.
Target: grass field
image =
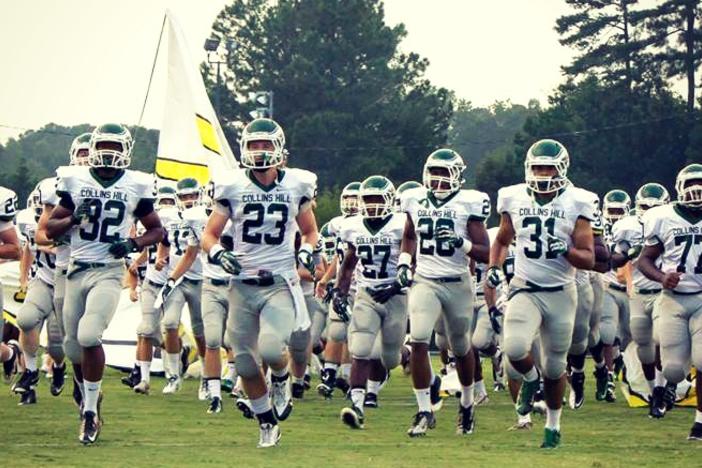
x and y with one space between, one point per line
176 431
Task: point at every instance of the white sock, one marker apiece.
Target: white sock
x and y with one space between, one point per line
659 380
145 367
280 373
214 386
299 380
231 371
373 386
423 399
30 361
345 371
331 365
467 395
173 364
92 393
532 375
358 397
698 416
553 418
261 405
480 387
579 371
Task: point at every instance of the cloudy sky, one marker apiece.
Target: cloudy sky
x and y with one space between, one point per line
76 61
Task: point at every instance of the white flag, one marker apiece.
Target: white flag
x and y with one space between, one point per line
191 143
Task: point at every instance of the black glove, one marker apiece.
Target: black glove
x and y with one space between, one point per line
121 249
383 294
495 315
448 235
340 302
404 275
84 210
492 277
329 293
228 261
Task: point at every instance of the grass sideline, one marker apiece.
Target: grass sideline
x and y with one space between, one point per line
156 430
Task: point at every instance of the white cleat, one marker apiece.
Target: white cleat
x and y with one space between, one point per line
142 387
281 399
269 435
172 386
540 407
203 394
481 399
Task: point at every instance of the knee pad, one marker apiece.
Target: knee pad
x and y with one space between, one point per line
212 342
28 318
87 339
391 358
516 348
441 341
298 346
337 331
646 353
554 368
460 344
246 366
73 350
270 348
674 371
608 332
580 346
170 324
361 346
481 340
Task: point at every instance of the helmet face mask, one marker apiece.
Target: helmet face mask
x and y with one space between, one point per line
348 203
110 147
80 150
443 173
189 193
328 242
410 184
689 186
34 203
262 145
648 196
166 197
541 156
616 205
376 197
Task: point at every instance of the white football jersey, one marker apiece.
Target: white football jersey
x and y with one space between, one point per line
377 250
532 224
681 238
166 215
185 231
428 214
8 208
48 196
630 230
113 208
44 264
264 218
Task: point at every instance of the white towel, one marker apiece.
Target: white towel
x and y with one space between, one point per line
302 318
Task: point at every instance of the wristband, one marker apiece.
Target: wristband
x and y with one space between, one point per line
215 251
404 259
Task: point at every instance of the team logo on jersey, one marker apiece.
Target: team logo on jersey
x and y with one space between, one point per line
686 230
381 240
266 197
90 192
541 212
438 213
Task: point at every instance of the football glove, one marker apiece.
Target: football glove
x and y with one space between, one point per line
121 249
329 293
556 246
340 302
82 212
383 294
305 258
492 277
495 315
227 260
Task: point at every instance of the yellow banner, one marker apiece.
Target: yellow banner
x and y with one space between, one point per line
208 137
175 170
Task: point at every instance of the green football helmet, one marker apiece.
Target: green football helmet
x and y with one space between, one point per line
376 197
688 184
650 195
114 134
166 197
546 153
189 193
443 172
80 150
263 130
615 205
348 203
410 184
328 242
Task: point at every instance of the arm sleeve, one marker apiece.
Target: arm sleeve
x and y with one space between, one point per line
503 205
480 208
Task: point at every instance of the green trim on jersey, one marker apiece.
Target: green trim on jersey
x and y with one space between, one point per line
544 202
106 182
266 188
383 222
439 203
688 214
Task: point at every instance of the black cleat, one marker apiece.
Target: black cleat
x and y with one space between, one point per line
326 386
58 379
610 396
308 381
298 390
423 421
435 395
695 432
342 385
618 366
28 398
466 420
9 367
90 428
353 417
577 385
27 381
601 383
215 406
133 378
656 407
244 405
670 395
371 400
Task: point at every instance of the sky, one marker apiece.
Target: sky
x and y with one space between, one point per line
78 61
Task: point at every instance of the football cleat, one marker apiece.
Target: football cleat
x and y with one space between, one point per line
28 398
281 397
466 420
525 399
326 386
89 428
695 432
540 407
342 385
133 378
203 394
308 381
172 385
58 379
523 424
656 405
577 390
601 379
618 366
498 386
269 435
435 394
298 390
552 439
482 398
215 406
353 417
77 395
422 422
669 396
371 400
610 396
9 367
142 388
244 405
227 385
27 381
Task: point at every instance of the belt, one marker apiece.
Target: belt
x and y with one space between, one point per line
267 281
155 284
480 294
191 281
680 293
616 287
82 266
448 279
533 287
647 291
217 282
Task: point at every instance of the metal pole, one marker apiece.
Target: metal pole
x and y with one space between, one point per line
270 104
219 91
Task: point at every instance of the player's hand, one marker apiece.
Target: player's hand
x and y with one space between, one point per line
634 251
671 279
556 246
495 316
404 276
320 289
133 295
492 277
161 263
328 293
383 294
449 236
167 289
229 262
121 249
82 212
134 268
305 258
340 303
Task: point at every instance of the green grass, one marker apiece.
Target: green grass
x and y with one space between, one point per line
175 431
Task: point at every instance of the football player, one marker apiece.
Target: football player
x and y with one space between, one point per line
101 202
377 324
550 219
671 257
9 250
627 237
443 231
266 304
